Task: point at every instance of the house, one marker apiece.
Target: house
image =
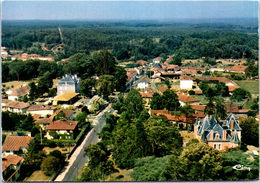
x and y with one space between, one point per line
146 96
219 135
68 83
15 106
233 108
42 110
237 68
66 98
131 78
43 122
143 83
11 165
16 144
185 99
66 129
68 114
162 89
183 122
18 92
186 82
157 60
142 62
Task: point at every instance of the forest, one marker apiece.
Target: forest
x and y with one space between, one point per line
132 40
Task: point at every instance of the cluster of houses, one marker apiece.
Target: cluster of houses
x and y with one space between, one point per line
24 56
218 134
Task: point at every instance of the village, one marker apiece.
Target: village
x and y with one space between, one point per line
59 124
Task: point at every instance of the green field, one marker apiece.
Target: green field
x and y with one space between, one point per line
251 86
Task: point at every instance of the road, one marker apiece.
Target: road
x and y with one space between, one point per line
78 160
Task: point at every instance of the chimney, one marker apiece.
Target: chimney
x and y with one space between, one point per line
232 124
224 135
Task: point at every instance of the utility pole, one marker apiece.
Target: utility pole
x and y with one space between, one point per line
41 134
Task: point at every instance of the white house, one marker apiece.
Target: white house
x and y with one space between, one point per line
143 83
186 82
15 106
69 83
14 144
62 127
157 60
18 92
42 110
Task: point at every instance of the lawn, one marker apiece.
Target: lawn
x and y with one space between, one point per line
19 83
249 85
38 176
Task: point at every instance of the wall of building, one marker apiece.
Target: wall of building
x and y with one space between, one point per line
186 84
43 113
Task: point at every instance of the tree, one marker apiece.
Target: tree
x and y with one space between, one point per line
50 165
197 162
86 87
35 130
156 102
170 100
151 169
81 118
104 62
162 135
27 123
105 85
120 78
60 115
44 83
134 104
33 94
7 122
250 131
239 94
186 110
60 156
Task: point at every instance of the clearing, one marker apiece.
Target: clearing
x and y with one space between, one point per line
38 176
250 85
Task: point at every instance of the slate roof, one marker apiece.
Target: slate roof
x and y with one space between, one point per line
69 80
14 143
10 160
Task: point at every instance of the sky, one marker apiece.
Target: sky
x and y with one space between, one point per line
126 10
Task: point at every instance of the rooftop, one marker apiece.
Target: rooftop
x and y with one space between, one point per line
14 143
10 160
62 125
186 98
66 96
19 90
18 105
39 107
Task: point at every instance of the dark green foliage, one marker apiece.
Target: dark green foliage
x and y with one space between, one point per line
250 131
86 87
60 115
35 130
81 118
50 165
105 85
120 78
3 138
149 73
191 92
216 106
151 169
170 100
34 94
240 94
251 70
210 61
192 141
156 102
186 110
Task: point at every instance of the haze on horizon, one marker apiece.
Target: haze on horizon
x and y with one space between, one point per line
122 10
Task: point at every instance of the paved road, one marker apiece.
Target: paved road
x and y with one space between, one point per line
80 160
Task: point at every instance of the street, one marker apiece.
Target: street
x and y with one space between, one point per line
78 159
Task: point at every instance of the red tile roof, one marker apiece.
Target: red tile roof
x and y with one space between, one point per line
220 79
44 121
189 71
149 90
5 101
130 75
159 112
142 62
232 88
198 107
158 58
10 160
199 114
178 118
20 90
162 89
231 108
14 143
185 77
67 113
186 98
146 95
36 116
40 107
62 125
237 68
18 105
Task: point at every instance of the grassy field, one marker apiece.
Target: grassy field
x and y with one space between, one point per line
249 85
19 83
122 175
38 176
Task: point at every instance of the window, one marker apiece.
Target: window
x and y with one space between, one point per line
215 146
219 146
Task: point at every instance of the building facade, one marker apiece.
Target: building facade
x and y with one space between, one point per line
69 83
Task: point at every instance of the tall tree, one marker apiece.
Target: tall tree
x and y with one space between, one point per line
250 131
170 100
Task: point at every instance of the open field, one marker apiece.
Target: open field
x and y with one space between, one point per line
249 85
124 174
19 83
38 176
